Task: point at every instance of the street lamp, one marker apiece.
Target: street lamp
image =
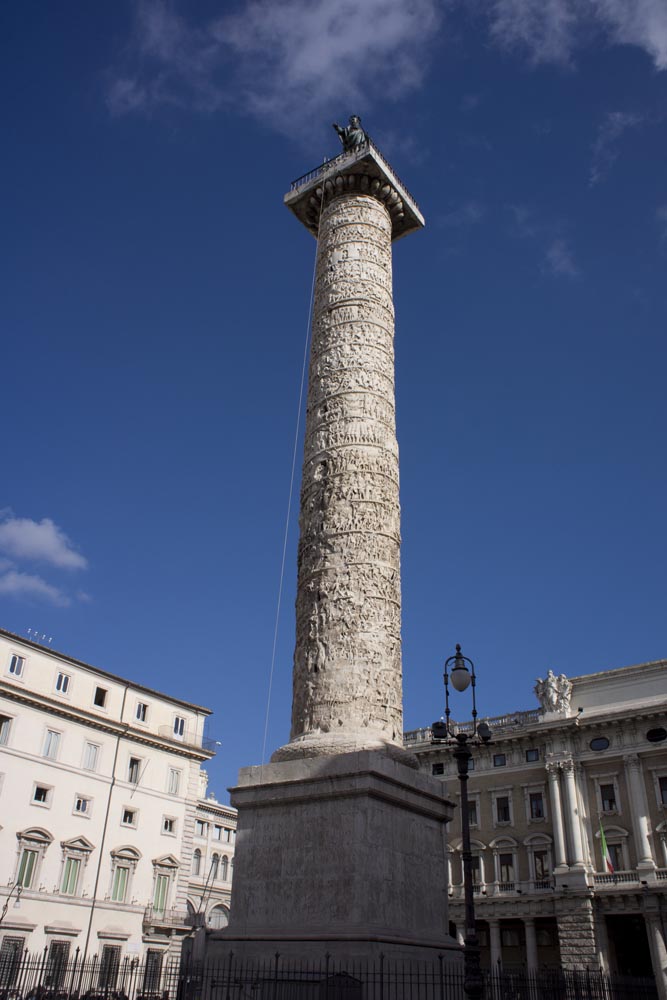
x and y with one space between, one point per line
461 676
15 888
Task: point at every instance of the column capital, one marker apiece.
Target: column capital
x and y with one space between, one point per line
568 766
552 767
632 761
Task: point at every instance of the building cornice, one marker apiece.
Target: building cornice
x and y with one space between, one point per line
48 651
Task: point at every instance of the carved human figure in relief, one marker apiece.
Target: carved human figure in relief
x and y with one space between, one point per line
554 693
352 136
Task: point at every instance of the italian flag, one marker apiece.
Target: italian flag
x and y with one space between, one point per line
606 859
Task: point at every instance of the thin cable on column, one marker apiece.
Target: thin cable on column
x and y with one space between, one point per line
291 492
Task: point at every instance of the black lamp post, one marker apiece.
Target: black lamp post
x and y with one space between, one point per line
462 676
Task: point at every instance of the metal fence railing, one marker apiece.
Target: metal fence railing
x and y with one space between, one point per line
47 976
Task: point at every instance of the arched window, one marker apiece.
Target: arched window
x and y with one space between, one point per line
32 845
215 864
540 860
224 869
196 862
505 862
616 838
218 917
124 861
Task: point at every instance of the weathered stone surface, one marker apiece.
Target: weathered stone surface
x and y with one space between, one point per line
347 662
576 935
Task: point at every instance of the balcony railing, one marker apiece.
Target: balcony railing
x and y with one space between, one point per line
167 917
189 736
514 887
498 724
609 878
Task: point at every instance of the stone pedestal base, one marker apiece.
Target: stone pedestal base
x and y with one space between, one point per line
344 855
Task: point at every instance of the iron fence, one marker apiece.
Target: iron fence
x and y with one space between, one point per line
44 976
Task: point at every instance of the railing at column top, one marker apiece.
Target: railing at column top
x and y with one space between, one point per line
348 157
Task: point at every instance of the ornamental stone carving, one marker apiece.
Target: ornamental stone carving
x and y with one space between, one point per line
554 693
347 679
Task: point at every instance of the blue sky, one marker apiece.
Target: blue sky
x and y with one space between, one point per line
155 303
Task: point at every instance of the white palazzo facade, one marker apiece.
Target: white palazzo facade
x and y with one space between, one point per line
103 813
539 796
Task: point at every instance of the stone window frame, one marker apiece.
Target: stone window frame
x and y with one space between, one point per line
477 849
20 677
168 866
504 791
505 845
85 756
77 849
533 788
616 836
65 681
169 826
475 798
50 731
135 817
6 728
82 797
197 858
658 773
538 842
608 778
33 838
125 856
174 778
46 804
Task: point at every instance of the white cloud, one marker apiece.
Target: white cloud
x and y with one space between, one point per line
17 584
551 31
275 58
605 147
467 214
44 541
559 259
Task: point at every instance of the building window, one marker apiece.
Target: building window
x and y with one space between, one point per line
16 665
121 877
100 697
169 825
662 781
224 869
173 781
179 727
82 805
27 866
11 953
129 817
509 937
201 828
123 864
56 965
196 862
215 865
657 735
152 971
503 814
51 744
437 769
33 844
41 795
217 832
471 764
228 835
472 812
476 868
161 893
599 743
90 756
218 917
70 879
62 683
499 760
536 804
142 711
532 755
134 770
506 867
542 867
617 856
109 966
5 726
608 798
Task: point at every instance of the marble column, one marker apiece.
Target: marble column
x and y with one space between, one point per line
347 682
553 770
572 814
495 945
656 940
531 943
639 810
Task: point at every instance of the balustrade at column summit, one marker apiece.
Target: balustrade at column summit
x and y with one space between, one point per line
639 810
572 814
553 771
